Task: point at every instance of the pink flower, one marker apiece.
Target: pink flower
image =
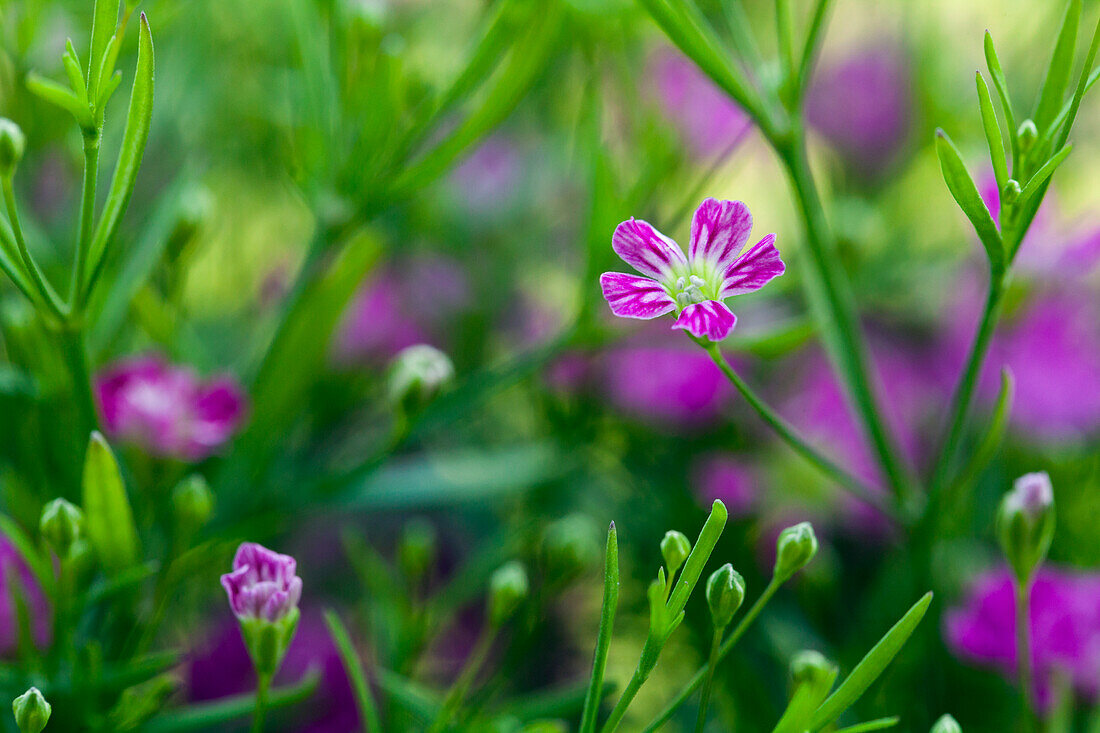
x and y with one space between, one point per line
167 408
1065 627
263 584
723 477
678 386
707 119
693 286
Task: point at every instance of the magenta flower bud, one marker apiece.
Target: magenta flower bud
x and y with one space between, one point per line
1025 523
263 585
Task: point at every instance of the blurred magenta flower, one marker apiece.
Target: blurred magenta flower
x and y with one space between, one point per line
168 409
263 584
666 385
12 565
862 105
487 180
1065 628
707 119
723 477
693 286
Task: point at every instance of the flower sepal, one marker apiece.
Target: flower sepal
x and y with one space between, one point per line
267 641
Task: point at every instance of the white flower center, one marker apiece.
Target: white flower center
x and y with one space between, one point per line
689 290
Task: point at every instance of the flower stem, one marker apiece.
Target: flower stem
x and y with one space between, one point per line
76 358
603 639
49 295
458 690
648 660
727 646
708 681
87 223
794 440
263 683
1023 651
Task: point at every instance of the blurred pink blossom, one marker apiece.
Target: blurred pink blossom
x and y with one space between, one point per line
707 119
12 565
723 477
678 386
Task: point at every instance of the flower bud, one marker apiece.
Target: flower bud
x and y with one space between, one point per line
1025 523
32 712
418 374
417 548
264 590
507 589
675 548
946 724
725 593
1027 135
1011 192
795 548
61 525
12 144
193 503
810 667
570 546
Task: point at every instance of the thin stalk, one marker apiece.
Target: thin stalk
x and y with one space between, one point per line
727 646
708 681
799 444
964 392
53 302
76 359
829 293
784 26
87 221
646 662
263 683
811 47
458 690
603 639
1023 651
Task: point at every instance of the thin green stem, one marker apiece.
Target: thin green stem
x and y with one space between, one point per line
76 359
708 681
727 646
263 683
964 393
811 47
784 26
87 221
799 444
461 685
1023 652
646 662
603 639
741 32
49 296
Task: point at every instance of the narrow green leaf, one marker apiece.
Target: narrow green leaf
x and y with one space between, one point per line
109 521
871 666
1061 66
998 76
1086 80
134 138
59 96
992 133
871 725
697 560
1043 174
413 697
994 433
353 666
71 62
965 193
805 700
104 22
603 640
205 716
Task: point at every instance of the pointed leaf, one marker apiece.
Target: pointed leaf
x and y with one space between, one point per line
59 96
1061 66
108 520
603 640
871 666
992 133
697 560
1043 174
1085 81
998 77
353 667
998 424
965 193
104 22
870 725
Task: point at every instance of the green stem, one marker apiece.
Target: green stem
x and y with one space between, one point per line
964 393
708 681
76 358
87 221
788 433
648 660
727 646
53 302
832 300
458 690
263 683
603 639
810 49
1023 651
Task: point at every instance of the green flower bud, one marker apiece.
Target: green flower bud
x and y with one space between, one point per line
1011 192
417 548
546 726
507 589
675 548
725 593
1025 523
811 667
571 545
418 374
946 724
61 525
1027 135
795 548
267 641
192 503
12 144
32 712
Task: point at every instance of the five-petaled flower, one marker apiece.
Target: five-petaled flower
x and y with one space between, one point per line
263 585
693 286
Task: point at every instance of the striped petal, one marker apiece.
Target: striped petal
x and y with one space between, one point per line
647 250
753 269
709 319
631 296
719 231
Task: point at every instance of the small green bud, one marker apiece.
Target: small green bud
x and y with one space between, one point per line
32 712
795 548
571 545
507 589
1025 523
811 667
417 548
61 525
1011 192
725 593
946 724
675 548
192 503
267 641
1027 135
418 374
12 144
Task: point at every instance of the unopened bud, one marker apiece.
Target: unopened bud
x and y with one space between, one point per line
795 547
1027 135
193 503
1025 523
32 712
725 593
811 667
417 548
1011 192
418 374
507 589
946 724
675 548
61 525
12 144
